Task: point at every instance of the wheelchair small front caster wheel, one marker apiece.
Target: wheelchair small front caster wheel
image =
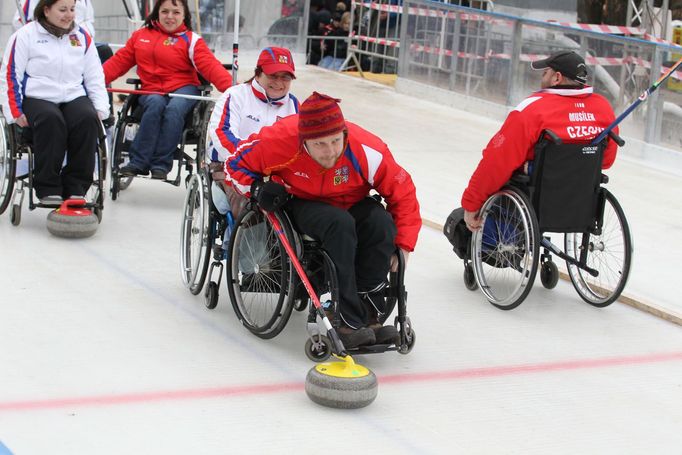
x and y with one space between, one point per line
98 213
469 278
318 348
406 343
300 304
15 215
410 339
549 274
211 295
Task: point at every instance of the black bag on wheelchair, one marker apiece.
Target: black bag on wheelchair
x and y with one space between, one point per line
457 233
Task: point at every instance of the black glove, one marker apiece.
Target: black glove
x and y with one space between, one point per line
269 195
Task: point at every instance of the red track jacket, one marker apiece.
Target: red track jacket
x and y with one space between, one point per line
165 62
575 115
365 164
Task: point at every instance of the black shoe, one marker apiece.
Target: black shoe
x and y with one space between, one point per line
353 338
130 171
386 334
159 174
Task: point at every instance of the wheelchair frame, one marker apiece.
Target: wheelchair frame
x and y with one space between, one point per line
14 147
274 273
505 267
202 231
194 133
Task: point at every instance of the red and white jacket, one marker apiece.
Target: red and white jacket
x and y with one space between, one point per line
575 115
365 164
165 62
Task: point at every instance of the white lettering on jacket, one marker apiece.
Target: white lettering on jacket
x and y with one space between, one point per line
581 117
575 132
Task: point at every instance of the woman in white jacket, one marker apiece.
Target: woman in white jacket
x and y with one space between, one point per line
52 80
246 108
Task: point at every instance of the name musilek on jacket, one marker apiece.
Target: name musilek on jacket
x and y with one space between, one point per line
581 117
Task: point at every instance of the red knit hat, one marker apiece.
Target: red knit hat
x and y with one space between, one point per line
275 59
320 116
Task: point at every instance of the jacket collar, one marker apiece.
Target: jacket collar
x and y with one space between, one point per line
177 32
261 94
568 91
44 31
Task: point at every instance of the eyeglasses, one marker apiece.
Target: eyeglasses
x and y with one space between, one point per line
284 77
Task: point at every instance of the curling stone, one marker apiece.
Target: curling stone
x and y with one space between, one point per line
72 220
342 385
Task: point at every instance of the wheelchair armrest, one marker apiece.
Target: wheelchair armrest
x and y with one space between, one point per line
617 139
520 177
604 179
134 81
552 136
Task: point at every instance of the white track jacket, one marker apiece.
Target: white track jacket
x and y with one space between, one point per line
40 65
241 111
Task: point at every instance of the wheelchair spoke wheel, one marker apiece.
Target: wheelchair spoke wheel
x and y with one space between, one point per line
609 254
259 276
195 241
7 165
506 250
119 154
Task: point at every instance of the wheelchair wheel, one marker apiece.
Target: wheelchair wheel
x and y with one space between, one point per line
7 165
195 243
609 254
506 250
118 182
211 295
407 344
469 278
318 350
204 135
15 215
260 279
549 274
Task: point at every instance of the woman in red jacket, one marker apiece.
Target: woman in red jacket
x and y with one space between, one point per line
167 54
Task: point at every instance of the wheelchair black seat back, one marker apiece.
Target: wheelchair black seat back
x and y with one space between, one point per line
564 184
16 172
264 287
194 133
562 193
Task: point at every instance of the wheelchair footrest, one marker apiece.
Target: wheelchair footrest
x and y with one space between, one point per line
372 349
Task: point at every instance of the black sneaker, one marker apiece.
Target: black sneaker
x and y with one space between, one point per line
159 174
131 171
386 334
353 338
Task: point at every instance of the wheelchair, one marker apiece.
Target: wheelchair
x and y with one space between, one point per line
202 231
562 194
16 172
264 287
128 119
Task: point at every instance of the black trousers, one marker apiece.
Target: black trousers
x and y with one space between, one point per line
58 129
360 242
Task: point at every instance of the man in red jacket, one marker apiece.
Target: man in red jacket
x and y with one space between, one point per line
565 105
329 166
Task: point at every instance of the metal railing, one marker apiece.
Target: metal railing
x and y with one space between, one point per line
486 56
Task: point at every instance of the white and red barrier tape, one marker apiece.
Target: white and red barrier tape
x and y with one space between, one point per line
593 61
428 12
